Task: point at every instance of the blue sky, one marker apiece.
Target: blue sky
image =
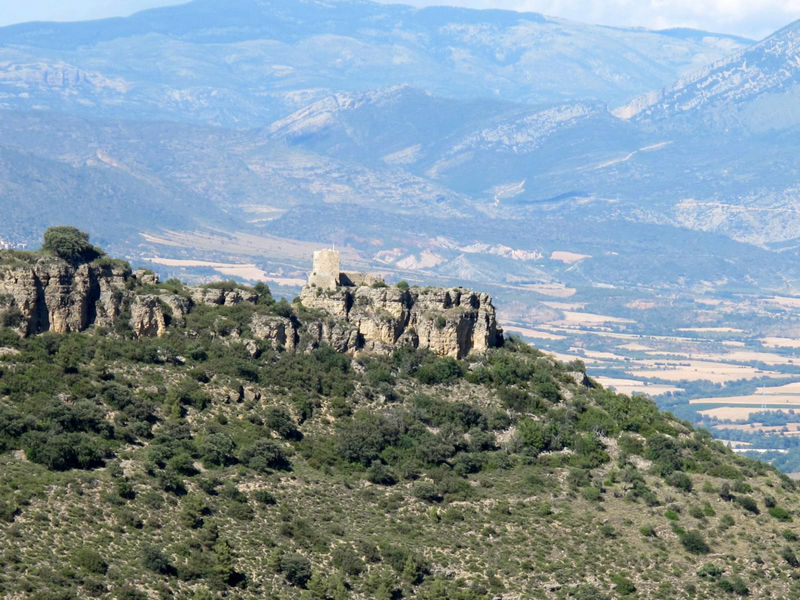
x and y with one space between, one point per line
750 18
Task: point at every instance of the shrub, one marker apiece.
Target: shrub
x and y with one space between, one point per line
623 585
217 450
709 570
90 560
265 455
789 556
346 559
694 542
648 531
128 592
70 244
592 494
156 561
747 503
380 474
780 513
296 568
734 585
680 480
64 451
264 497
281 422
439 370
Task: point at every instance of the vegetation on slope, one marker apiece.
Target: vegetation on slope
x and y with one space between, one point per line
197 464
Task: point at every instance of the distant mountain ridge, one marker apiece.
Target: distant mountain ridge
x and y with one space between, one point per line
756 89
253 62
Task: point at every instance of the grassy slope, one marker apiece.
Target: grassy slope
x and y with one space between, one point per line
510 479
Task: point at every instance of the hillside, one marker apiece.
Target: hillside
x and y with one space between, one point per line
205 461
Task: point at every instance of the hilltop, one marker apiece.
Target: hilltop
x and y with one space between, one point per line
201 459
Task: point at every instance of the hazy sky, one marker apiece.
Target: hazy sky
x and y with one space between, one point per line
18 11
751 18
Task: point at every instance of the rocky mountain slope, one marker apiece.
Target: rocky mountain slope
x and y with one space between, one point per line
209 461
754 90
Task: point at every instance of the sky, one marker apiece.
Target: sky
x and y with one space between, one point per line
750 18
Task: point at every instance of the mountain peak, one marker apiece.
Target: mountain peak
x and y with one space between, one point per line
740 87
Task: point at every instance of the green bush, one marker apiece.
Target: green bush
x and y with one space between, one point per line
648 531
680 480
156 561
70 244
61 452
380 474
709 570
622 585
296 568
90 560
747 503
264 497
780 513
347 560
265 455
281 422
734 585
789 556
694 542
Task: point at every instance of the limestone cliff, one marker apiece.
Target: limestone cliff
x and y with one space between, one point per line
43 293
448 322
51 295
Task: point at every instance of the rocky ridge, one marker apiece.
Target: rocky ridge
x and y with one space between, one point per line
447 322
49 294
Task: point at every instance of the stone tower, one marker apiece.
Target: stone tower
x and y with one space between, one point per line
325 272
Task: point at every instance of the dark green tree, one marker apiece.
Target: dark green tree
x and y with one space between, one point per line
70 243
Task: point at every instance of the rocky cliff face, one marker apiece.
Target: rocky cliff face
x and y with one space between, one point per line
52 295
48 294
448 322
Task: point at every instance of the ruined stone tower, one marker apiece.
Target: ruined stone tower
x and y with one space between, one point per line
325 272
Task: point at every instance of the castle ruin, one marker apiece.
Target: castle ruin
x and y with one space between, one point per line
325 273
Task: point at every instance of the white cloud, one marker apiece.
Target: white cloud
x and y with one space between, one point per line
750 18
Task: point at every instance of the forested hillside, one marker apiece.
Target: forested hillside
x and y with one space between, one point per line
201 463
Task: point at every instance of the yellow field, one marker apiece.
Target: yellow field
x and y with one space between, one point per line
698 370
780 342
736 413
532 333
787 400
633 386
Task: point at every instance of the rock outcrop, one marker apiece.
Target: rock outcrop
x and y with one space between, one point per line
44 293
147 316
52 295
448 322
